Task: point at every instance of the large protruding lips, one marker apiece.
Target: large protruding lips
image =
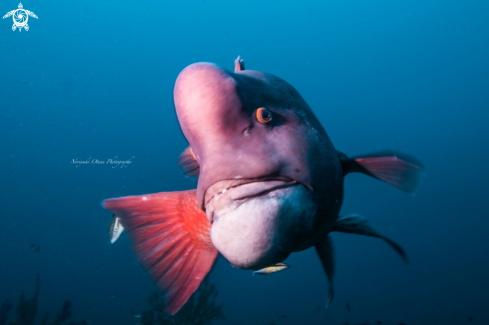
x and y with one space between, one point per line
261 186
257 223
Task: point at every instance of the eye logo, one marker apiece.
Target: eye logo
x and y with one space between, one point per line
20 17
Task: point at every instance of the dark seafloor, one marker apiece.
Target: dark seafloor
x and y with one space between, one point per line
94 80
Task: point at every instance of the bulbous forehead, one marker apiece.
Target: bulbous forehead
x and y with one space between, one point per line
204 96
201 82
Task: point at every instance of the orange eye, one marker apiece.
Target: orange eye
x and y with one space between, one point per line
263 115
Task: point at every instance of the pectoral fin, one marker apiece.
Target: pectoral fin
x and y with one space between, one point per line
188 163
356 224
325 252
400 170
171 237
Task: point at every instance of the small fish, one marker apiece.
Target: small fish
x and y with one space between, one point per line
35 248
272 269
284 316
379 322
348 307
115 229
471 319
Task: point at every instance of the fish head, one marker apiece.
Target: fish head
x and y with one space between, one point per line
266 163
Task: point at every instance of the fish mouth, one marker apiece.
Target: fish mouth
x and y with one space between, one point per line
241 190
257 223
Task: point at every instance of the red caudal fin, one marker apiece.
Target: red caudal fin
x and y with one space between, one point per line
400 170
171 237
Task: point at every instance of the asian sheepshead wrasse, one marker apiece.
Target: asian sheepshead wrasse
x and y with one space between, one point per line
270 183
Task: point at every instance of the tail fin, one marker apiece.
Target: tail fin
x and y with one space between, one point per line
325 251
171 237
356 224
400 170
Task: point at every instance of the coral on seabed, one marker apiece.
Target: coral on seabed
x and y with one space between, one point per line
27 311
200 309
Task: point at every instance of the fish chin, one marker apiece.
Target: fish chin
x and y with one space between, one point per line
259 224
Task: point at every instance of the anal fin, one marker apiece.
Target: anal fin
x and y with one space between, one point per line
171 237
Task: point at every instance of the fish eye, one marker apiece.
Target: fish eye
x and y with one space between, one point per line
263 115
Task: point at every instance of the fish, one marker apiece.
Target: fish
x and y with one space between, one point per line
269 183
272 269
347 307
115 229
471 319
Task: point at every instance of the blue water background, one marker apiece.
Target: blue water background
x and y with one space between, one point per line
94 80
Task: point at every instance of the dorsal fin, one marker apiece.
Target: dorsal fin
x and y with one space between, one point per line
239 64
188 163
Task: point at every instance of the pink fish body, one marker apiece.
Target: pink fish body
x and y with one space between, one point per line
270 183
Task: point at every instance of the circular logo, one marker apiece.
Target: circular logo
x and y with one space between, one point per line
20 17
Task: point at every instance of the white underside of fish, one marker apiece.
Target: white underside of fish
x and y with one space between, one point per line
259 224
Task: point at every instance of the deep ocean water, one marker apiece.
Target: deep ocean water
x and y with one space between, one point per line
94 80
